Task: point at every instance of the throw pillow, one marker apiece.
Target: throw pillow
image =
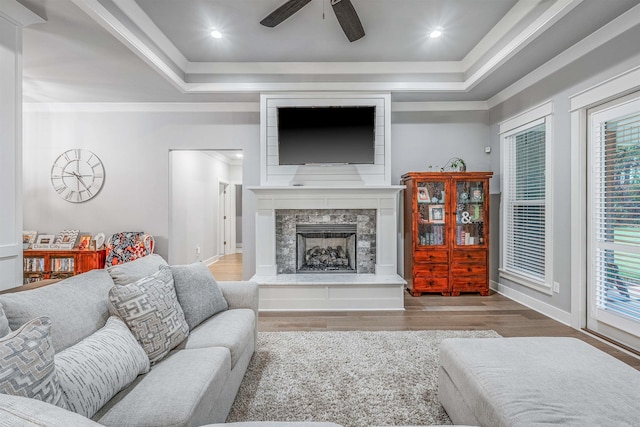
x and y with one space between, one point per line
198 293
27 366
4 323
151 310
94 370
129 272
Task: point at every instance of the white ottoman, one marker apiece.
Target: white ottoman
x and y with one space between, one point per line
536 381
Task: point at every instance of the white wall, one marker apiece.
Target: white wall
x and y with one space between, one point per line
194 205
13 17
134 147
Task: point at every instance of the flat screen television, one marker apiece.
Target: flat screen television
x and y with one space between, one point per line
326 135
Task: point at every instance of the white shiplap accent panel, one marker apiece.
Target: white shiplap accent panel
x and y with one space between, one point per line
336 175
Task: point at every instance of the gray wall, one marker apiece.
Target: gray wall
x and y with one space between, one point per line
134 147
601 64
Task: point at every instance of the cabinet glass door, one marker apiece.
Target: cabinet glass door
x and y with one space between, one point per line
470 221
431 213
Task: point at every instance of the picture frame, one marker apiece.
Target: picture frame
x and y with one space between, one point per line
67 238
84 244
45 239
28 238
436 214
423 195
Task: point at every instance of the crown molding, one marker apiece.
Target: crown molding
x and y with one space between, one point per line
18 14
441 76
618 26
147 107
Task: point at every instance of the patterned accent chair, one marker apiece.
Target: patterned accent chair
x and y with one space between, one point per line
128 246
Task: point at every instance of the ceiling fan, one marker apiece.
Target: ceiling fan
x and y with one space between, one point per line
344 10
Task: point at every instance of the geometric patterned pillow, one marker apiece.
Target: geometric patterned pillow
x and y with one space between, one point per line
151 310
26 363
92 371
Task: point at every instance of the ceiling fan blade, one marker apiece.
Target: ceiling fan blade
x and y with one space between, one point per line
348 19
283 12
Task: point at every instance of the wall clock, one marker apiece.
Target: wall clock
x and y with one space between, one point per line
77 175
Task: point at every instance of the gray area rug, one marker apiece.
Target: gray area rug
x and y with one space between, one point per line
353 378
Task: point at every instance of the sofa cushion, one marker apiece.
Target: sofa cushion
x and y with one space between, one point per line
16 411
151 310
86 293
94 370
26 363
178 391
129 272
232 329
4 323
541 381
198 293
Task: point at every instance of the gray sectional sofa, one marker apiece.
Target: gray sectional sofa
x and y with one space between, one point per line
536 381
194 384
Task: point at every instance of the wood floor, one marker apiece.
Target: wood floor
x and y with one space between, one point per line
468 312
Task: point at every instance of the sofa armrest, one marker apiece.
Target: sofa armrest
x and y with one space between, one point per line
240 294
18 411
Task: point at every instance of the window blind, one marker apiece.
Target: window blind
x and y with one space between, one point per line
616 214
525 194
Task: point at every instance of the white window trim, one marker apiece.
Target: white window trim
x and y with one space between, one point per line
598 94
540 114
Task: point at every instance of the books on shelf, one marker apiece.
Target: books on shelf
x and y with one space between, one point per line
33 264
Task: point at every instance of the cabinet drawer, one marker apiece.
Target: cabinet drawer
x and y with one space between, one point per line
432 256
468 270
430 270
469 257
469 284
425 284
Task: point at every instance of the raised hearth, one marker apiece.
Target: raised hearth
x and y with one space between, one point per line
375 285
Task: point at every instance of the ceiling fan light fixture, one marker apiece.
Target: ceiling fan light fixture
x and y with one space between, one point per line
435 33
216 34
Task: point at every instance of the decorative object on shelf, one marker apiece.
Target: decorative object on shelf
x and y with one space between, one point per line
67 239
436 214
99 240
423 195
77 175
84 242
44 239
28 238
454 164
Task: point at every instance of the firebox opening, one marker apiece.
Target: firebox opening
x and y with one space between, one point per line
326 248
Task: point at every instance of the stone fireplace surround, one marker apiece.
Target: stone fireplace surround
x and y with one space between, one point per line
288 219
382 289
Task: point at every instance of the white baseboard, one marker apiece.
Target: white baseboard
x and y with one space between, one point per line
532 303
211 260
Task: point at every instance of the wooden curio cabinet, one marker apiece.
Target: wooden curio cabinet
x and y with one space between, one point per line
446 232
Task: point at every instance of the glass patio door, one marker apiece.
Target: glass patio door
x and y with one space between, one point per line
614 218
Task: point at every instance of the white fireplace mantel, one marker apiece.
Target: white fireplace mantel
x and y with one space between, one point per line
384 199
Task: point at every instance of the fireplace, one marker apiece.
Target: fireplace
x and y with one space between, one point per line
326 248
375 283
307 241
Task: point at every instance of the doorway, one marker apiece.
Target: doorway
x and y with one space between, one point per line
202 204
613 279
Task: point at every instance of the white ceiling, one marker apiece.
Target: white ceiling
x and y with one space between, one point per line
161 50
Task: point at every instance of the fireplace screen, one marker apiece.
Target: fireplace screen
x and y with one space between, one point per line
328 248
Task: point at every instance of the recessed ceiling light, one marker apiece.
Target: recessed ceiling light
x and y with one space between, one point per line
239 155
435 33
216 34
